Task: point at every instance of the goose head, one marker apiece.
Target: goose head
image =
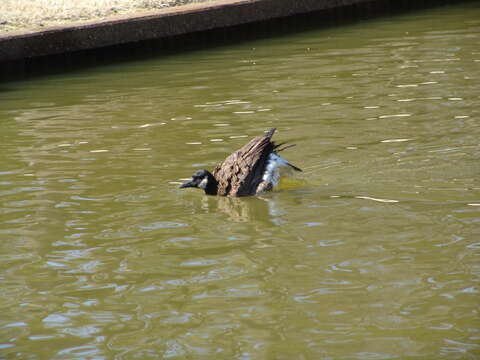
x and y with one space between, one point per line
202 179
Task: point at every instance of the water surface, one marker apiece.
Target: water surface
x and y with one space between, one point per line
372 253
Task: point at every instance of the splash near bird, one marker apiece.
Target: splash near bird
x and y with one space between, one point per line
251 170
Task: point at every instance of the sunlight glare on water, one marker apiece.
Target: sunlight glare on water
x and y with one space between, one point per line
371 253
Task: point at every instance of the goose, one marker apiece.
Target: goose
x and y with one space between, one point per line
251 170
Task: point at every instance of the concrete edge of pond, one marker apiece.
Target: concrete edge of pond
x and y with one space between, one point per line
22 49
170 22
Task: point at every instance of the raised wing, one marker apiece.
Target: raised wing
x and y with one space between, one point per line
242 171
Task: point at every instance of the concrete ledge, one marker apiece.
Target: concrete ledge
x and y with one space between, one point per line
172 22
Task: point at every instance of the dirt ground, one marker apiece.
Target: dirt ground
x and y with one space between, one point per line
31 15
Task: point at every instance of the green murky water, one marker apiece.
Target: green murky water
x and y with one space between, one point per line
374 253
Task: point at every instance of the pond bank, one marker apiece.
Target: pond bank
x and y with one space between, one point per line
37 15
180 22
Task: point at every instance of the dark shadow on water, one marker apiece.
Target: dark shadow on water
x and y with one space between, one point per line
78 61
4 89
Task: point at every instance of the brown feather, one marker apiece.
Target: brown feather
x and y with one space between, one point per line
241 172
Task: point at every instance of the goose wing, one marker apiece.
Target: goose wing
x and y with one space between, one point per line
241 172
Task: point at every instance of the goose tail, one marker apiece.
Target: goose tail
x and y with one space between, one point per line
294 167
278 148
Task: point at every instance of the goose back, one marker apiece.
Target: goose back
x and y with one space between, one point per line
241 172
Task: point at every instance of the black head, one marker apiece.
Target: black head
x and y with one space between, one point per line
202 179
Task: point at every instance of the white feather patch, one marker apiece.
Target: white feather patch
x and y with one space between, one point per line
203 184
272 170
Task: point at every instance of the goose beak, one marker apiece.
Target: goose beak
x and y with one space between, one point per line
187 184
